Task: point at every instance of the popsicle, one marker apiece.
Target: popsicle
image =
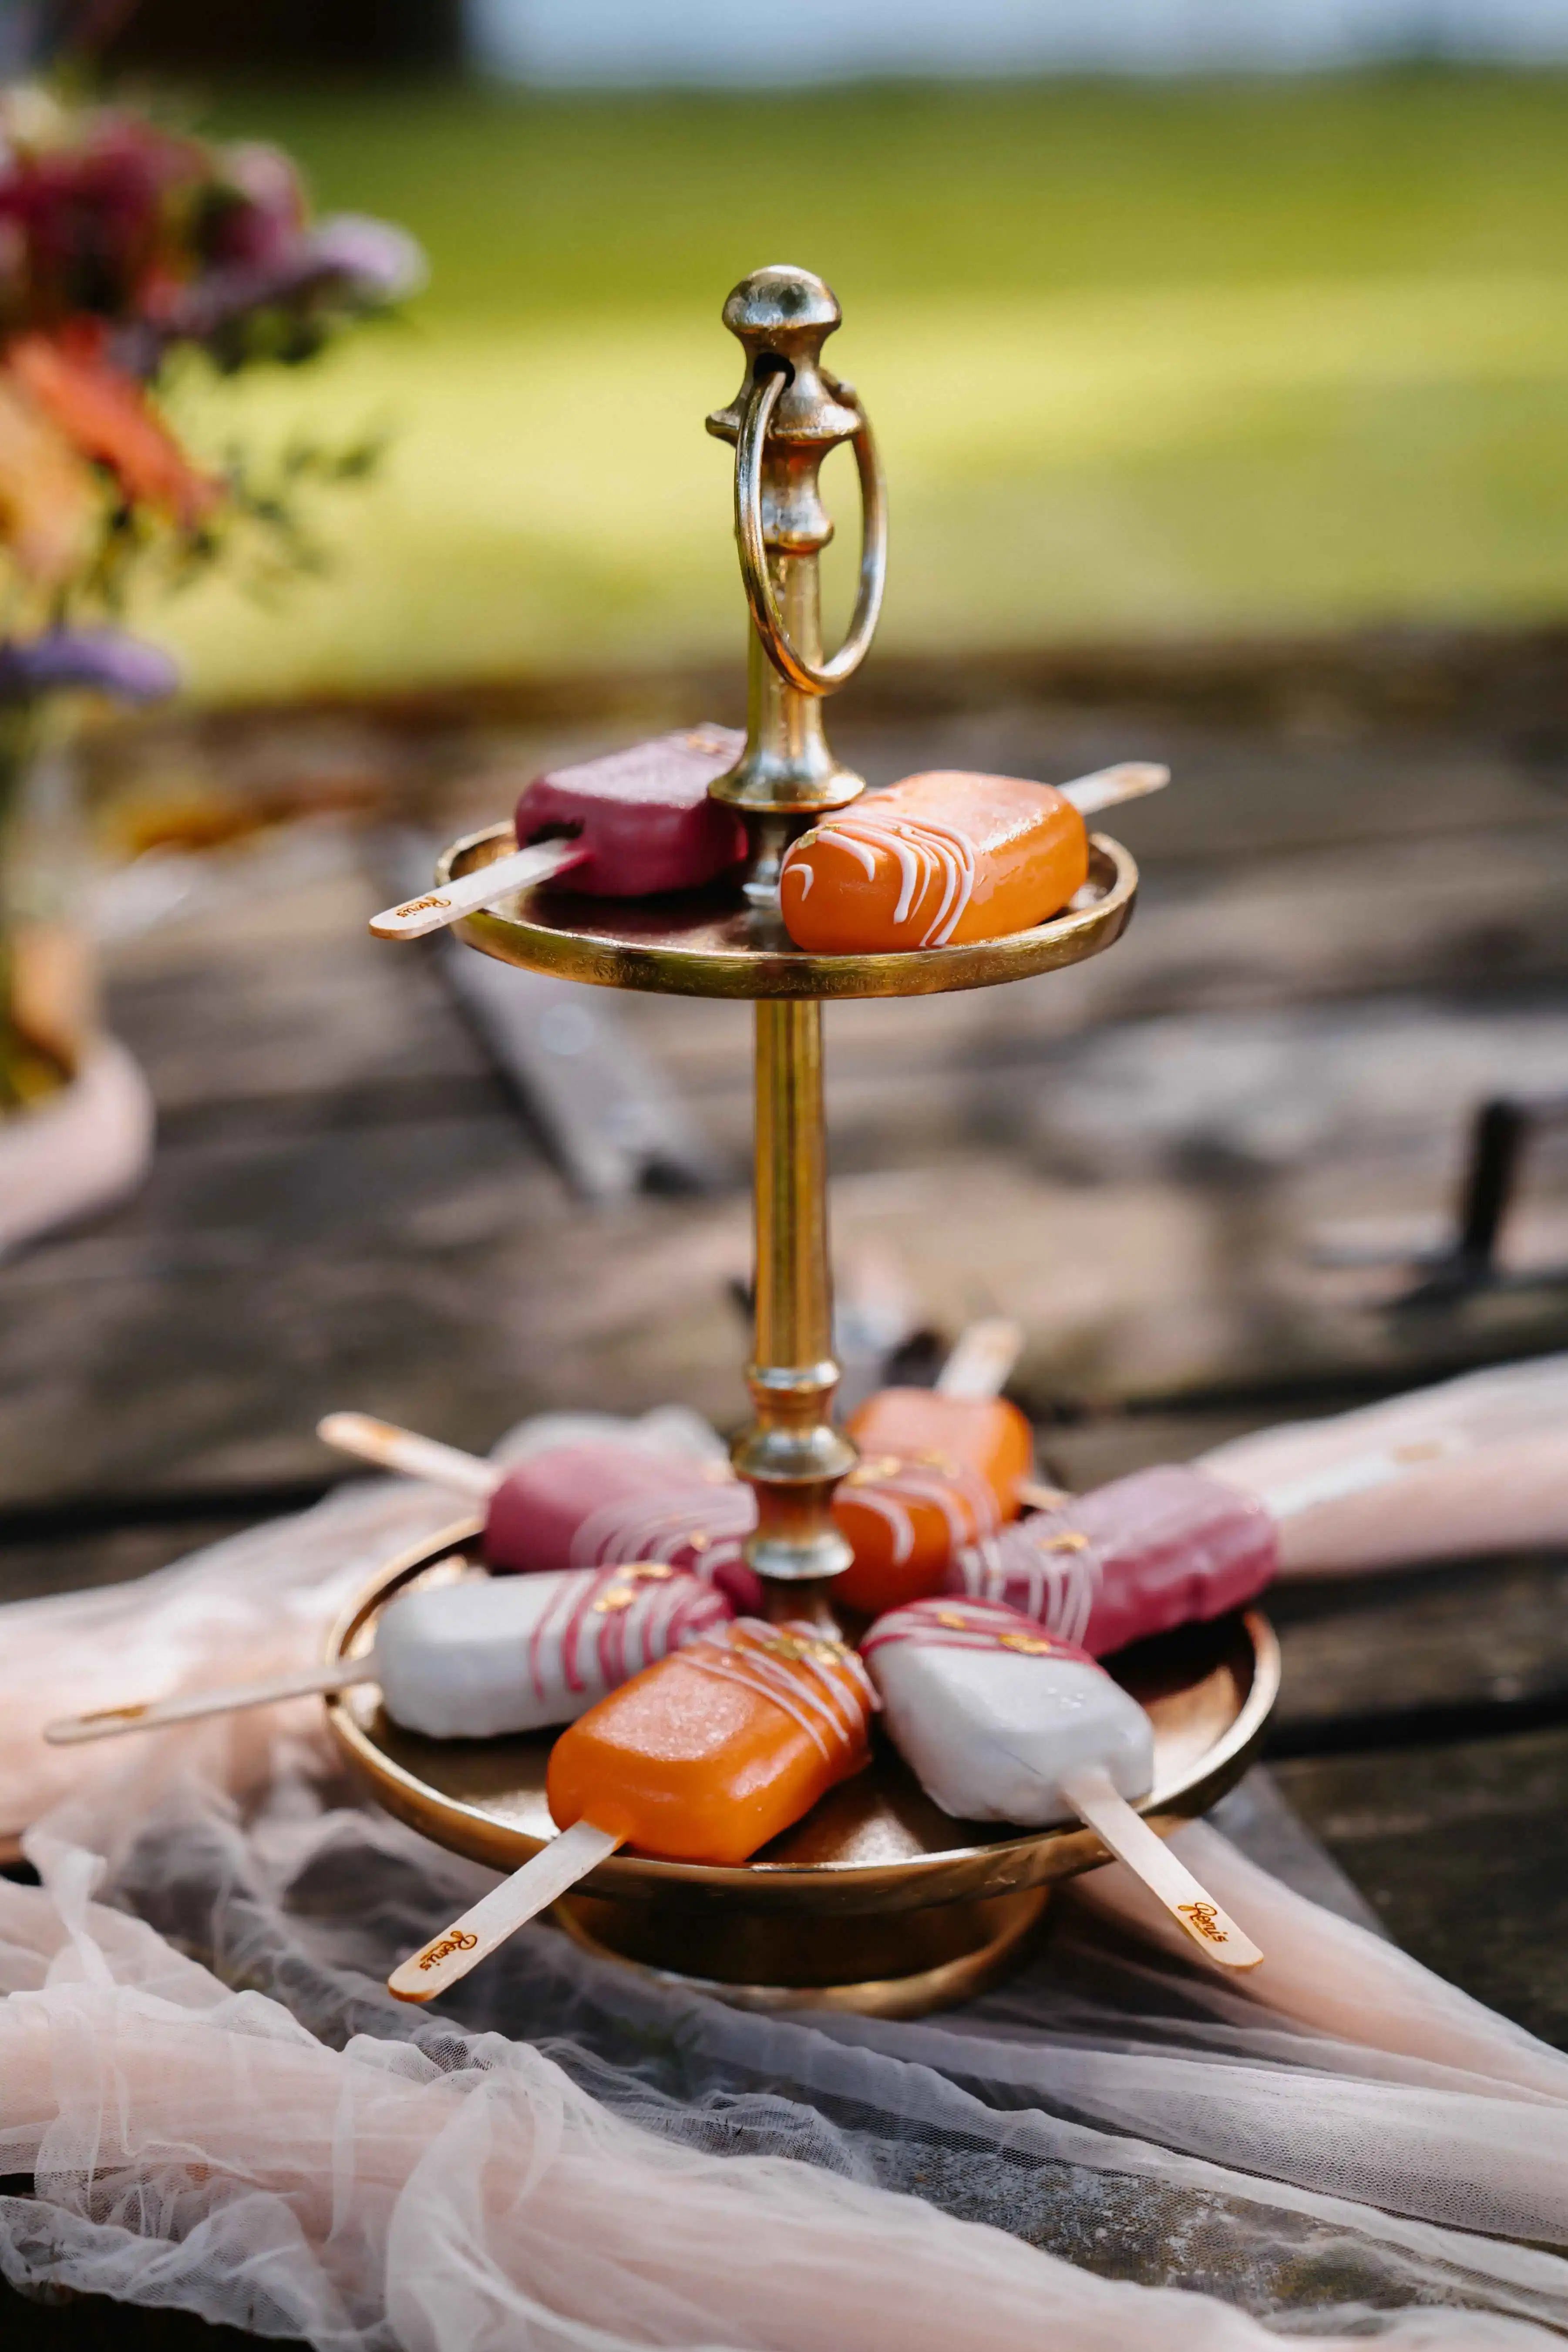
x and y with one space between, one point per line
1131 1558
940 1468
594 1503
945 858
701 1759
1165 1546
584 1505
628 825
999 1721
479 1657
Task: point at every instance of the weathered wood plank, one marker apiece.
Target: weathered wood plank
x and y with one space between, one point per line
1481 1637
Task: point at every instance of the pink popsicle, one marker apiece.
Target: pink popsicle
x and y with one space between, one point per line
595 1504
644 813
1135 1558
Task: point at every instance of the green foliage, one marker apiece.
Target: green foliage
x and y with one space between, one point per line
1143 358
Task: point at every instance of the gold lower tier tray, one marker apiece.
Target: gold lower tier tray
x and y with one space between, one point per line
877 1901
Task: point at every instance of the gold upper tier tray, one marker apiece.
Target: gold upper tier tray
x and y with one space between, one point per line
713 943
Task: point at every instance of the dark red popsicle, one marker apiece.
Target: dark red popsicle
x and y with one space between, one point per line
643 814
1135 1558
598 1504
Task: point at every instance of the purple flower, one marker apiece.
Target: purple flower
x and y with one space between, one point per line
257 221
346 263
372 261
99 661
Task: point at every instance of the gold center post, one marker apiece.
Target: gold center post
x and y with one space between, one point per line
787 415
791 1454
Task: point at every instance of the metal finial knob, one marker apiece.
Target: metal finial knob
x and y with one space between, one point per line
782 317
789 413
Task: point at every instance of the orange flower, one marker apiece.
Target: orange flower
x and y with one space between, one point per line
107 416
48 497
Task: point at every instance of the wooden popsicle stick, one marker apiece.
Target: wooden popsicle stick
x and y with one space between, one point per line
450 901
189 1706
1097 1802
404 1450
542 1880
1033 1496
983 1356
1356 1476
1127 782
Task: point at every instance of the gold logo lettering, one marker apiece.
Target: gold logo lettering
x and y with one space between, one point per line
826 1651
621 1595
457 1939
874 1469
1206 1919
943 1464
418 906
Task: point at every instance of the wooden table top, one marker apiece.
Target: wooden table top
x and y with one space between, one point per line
1347 938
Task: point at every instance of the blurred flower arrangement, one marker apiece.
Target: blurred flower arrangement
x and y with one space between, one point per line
133 256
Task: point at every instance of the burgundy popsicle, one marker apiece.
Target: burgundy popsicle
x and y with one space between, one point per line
597 1504
631 824
1137 1556
643 816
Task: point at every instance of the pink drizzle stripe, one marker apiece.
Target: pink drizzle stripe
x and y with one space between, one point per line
578 1647
969 1625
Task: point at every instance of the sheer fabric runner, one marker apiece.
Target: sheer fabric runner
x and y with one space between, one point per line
223 2109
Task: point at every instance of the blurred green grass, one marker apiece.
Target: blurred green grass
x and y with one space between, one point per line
1143 358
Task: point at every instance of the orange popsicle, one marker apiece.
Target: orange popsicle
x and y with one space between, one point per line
708 1754
931 1466
935 861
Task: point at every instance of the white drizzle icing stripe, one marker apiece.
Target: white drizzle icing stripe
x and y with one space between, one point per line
892 1515
637 1530
965 1500
1058 1589
811 1693
924 852
711 1523
790 1697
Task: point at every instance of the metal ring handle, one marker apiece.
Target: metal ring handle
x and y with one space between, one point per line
819 677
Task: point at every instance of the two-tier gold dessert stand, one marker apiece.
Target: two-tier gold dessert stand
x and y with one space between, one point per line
877 1901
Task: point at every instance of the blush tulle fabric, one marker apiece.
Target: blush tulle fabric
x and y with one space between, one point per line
1497 1482
223 2110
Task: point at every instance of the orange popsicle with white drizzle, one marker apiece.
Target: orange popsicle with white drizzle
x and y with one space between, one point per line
933 1463
945 858
704 1765
936 1473
706 1756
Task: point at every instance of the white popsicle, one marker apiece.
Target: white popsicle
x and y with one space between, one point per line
1000 1722
480 1657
